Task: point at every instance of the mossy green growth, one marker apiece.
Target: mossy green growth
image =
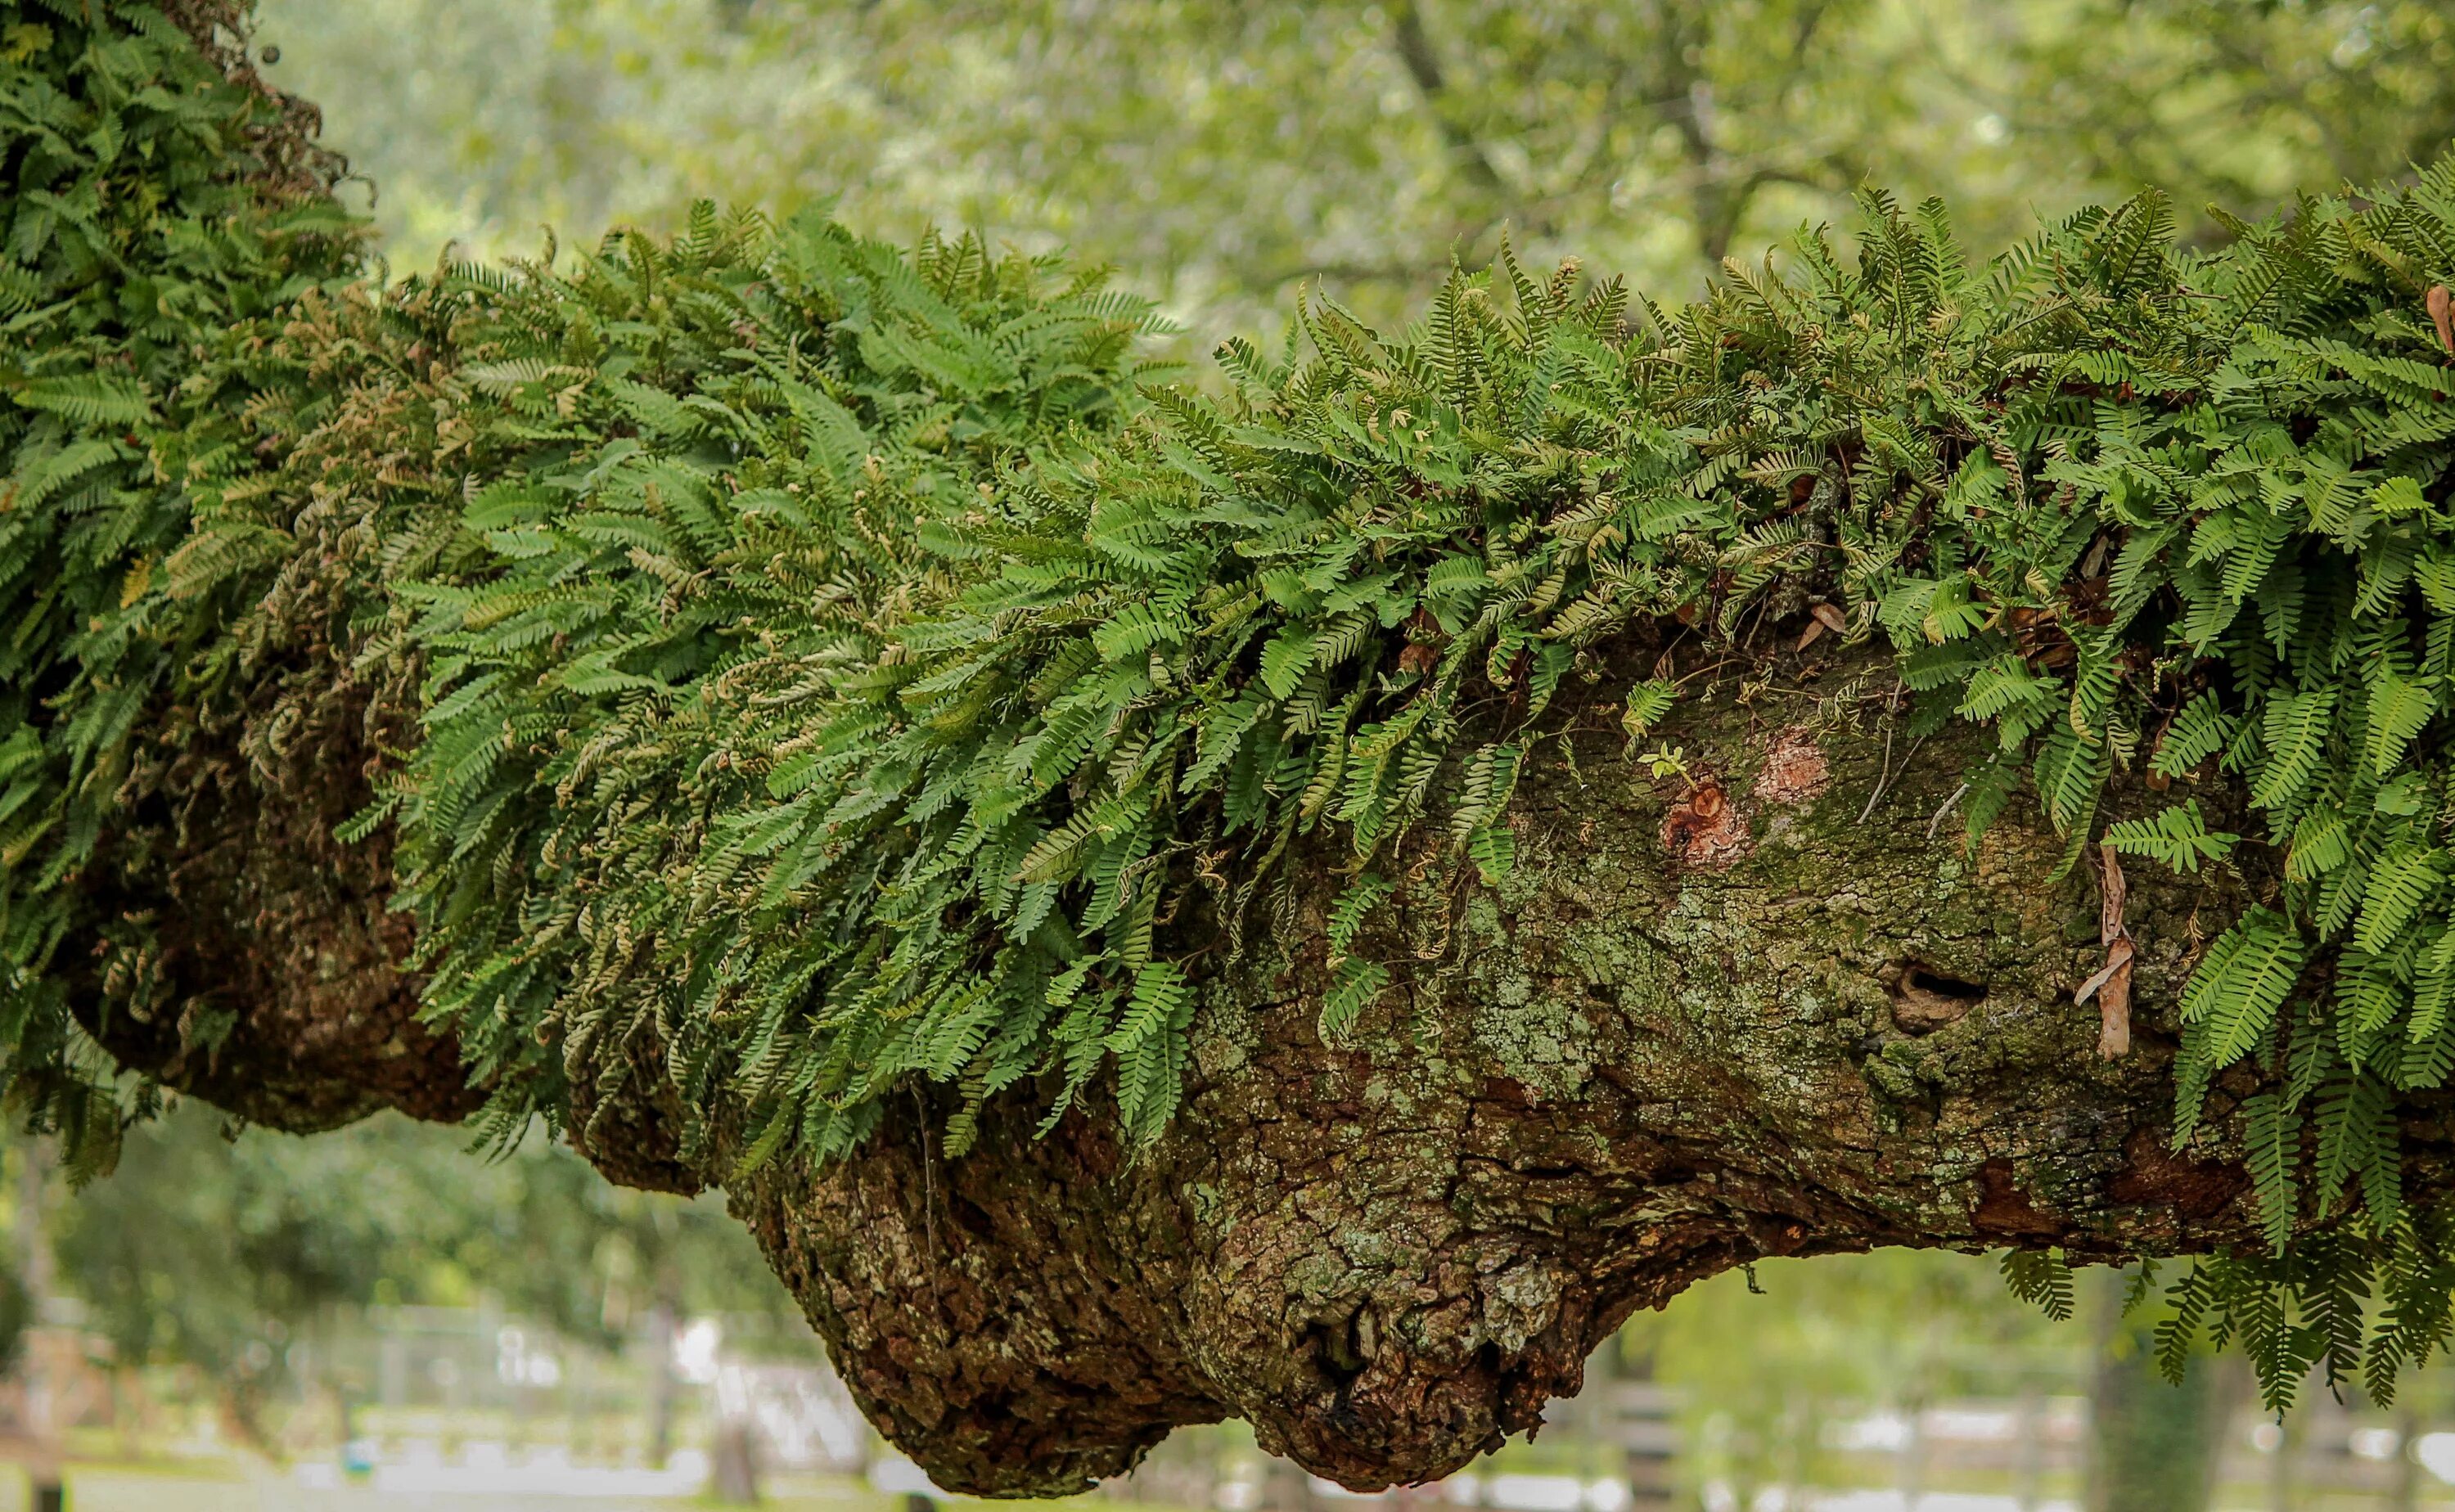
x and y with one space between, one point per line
841 668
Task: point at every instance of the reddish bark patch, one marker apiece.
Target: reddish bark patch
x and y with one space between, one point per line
2003 1208
1794 771
1706 829
1505 1092
2154 1175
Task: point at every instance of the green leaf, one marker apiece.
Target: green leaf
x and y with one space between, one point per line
2179 837
1285 659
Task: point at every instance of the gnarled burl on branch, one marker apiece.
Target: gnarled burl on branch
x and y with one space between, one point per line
1308 895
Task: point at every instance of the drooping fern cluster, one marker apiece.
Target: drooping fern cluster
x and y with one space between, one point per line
158 213
837 668
732 451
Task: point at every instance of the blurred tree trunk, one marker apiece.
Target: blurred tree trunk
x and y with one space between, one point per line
46 1491
2152 1446
665 1321
736 1470
2405 1495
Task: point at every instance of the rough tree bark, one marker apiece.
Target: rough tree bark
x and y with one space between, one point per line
1770 1006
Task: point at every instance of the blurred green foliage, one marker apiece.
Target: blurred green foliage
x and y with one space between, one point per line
1221 152
215 1247
1772 1359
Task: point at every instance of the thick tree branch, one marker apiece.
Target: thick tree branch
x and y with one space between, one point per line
1689 1033
1744 996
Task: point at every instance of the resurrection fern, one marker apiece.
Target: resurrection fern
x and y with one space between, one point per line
2042 1279
637 727
2179 837
830 670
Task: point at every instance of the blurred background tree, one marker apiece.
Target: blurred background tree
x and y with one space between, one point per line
1220 152
221 1248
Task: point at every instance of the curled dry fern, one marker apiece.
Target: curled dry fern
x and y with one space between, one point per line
835 664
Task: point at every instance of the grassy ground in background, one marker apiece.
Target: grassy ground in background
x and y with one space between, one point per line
174 1488
170 1485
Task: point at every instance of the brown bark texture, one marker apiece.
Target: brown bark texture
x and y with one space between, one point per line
1758 1009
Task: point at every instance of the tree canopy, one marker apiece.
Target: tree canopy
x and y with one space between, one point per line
1223 154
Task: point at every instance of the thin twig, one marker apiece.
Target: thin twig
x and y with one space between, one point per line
1883 775
1956 795
928 1182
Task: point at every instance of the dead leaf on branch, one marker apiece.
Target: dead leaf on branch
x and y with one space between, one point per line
1821 617
2111 985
